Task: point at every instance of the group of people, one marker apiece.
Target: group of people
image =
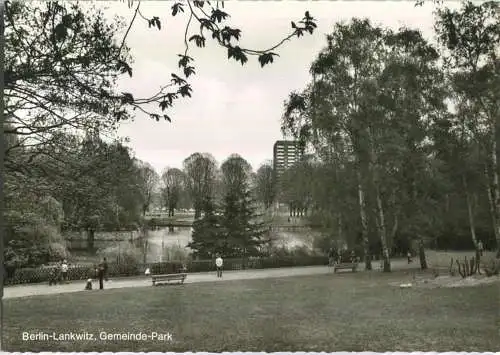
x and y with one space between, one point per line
101 273
59 273
336 256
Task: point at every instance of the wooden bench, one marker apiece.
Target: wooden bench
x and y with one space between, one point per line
345 266
157 279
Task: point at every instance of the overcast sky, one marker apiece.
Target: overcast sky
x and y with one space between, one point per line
236 109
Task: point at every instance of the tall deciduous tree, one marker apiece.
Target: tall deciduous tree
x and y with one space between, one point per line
173 185
61 64
201 172
470 37
265 185
148 182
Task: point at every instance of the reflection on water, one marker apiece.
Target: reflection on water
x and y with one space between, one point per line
165 237
180 237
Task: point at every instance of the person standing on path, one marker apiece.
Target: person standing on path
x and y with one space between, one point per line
100 275
218 264
64 271
105 267
480 248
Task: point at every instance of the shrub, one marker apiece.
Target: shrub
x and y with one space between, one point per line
176 252
122 253
124 259
492 267
31 275
58 251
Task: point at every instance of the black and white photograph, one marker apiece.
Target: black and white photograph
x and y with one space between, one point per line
250 176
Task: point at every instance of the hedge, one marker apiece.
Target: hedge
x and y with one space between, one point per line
83 272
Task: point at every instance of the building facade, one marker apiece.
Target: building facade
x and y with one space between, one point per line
285 155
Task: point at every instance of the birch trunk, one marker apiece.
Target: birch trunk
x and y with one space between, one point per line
421 245
470 213
364 221
382 230
495 188
380 217
491 201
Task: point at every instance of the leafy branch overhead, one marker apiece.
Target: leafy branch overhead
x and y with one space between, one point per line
211 20
76 52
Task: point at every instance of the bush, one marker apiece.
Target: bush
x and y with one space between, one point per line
492 267
58 251
31 275
122 253
81 272
123 259
170 267
176 252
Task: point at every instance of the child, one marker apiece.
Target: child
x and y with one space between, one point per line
88 286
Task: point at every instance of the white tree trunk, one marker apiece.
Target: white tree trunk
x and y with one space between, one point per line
364 220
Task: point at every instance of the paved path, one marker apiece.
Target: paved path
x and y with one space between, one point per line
78 286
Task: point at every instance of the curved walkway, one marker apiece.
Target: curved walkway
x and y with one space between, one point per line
142 281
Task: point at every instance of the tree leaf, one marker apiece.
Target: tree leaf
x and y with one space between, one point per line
177 7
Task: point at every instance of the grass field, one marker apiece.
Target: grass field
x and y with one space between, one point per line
441 259
344 312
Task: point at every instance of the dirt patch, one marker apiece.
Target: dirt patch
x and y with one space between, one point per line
447 281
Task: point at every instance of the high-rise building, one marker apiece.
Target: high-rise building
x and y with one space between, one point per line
285 155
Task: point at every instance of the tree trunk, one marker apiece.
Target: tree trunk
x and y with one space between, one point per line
495 188
421 245
364 221
379 216
395 226
380 221
339 226
470 213
90 239
491 201
145 252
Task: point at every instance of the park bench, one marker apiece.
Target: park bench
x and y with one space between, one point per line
344 266
169 277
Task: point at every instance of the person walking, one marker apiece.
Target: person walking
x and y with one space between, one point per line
218 263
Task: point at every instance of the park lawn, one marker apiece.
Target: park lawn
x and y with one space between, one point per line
343 312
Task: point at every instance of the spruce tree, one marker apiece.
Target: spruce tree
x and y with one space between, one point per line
242 228
207 236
